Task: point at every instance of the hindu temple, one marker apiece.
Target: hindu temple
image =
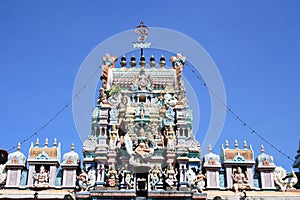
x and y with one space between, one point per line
142 146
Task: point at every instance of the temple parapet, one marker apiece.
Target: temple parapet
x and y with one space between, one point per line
238 164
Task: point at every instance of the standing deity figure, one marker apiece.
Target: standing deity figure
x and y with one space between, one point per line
170 135
122 106
155 174
113 138
171 174
240 180
199 182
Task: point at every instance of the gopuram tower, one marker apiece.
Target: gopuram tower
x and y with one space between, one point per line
141 143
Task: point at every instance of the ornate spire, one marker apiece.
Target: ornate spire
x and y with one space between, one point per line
209 148
245 144
262 149
46 142
19 146
152 61
132 61
162 61
37 142
55 142
123 62
236 144
227 144
72 147
142 61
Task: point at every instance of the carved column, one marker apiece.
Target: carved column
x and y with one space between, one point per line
182 161
228 172
69 175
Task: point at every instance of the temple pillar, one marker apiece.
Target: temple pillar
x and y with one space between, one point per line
69 176
13 176
31 170
228 173
249 175
182 161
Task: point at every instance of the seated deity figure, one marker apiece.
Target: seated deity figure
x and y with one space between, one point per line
199 182
41 178
87 180
83 181
171 174
240 181
143 150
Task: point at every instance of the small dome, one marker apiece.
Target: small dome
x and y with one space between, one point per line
71 157
211 159
17 157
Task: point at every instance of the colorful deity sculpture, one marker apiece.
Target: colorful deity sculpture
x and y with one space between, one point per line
240 180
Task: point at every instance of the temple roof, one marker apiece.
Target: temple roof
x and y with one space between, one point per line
37 153
236 155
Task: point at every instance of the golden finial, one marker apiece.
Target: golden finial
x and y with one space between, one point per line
37 142
46 142
227 144
236 144
19 146
209 148
162 61
262 149
72 147
245 144
55 142
152 61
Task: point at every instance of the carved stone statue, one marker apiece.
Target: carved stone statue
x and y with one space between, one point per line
41 178
199 182
113 138
87 181
143 151
170 135
155 175
240 180
109 60
102 97
171 174
112 176
282 181
128 180
142 82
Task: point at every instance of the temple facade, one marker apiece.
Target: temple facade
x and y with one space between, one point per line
142 146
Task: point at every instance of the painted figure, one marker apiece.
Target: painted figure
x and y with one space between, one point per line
240 180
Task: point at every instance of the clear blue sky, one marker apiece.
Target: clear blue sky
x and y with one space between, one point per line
254 44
